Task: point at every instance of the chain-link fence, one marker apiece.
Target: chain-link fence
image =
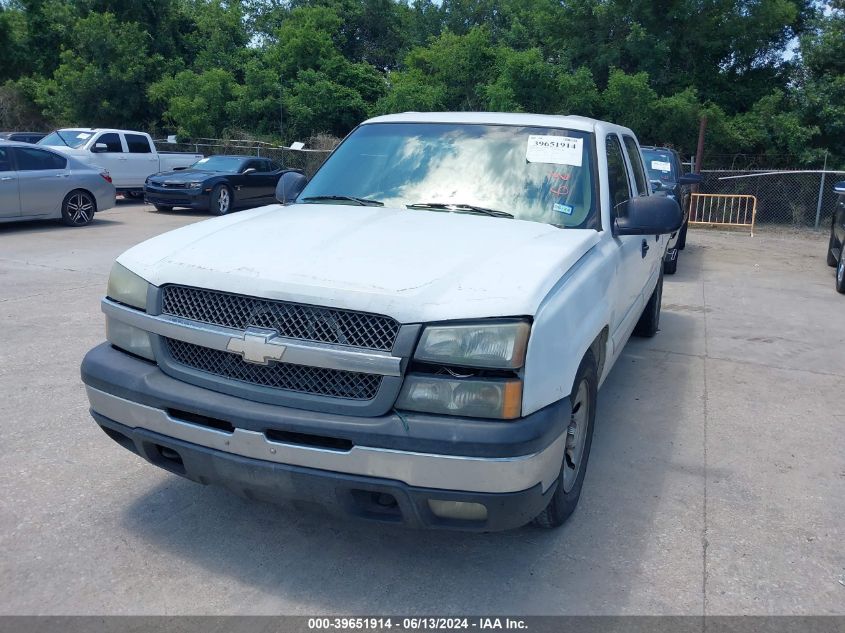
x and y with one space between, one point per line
306 159
784 197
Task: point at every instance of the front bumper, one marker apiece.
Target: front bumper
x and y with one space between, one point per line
345 462
191 199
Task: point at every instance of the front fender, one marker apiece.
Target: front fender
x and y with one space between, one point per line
570 317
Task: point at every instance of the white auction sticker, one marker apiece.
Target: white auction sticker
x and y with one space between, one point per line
559 150
659 165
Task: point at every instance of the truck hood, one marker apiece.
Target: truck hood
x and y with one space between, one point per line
413 265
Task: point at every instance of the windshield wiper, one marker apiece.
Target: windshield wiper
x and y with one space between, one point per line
468 208
364 202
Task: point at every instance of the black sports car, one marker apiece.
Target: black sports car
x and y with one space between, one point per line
216 183
836 245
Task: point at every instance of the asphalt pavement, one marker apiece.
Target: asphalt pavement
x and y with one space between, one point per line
716 483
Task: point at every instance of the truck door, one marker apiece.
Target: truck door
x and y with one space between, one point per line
112 157
633 267
656 243
141 160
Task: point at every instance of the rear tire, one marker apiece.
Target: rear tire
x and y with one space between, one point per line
162 207
682 237
649 321
221 200
78 208
840 272
831 244
670 266
579 439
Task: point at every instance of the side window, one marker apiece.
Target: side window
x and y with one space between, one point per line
266 166
5 159
138 144
617 174
37 159
112 141
257 165
637 165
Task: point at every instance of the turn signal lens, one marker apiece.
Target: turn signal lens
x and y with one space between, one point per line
499 398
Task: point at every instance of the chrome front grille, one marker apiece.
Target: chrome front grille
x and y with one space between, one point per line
286 376
290 320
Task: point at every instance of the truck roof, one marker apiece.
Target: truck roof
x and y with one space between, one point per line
570 122
100 129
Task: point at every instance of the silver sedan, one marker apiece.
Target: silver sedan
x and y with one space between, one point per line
40 184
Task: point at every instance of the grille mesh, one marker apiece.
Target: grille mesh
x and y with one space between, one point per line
292 320
299 378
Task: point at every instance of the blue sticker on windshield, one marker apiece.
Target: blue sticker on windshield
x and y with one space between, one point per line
563 208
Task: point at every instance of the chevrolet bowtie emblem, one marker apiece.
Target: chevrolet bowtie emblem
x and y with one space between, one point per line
257 346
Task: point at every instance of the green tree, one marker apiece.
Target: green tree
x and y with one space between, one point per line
198 104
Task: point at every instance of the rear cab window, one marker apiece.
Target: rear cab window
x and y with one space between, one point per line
138 144
636 165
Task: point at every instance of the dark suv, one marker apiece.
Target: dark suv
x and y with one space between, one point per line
835 255
668 178
23 137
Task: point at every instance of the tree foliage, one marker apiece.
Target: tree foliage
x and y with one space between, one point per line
769 74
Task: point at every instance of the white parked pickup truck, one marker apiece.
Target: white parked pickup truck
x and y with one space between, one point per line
128 156
417 335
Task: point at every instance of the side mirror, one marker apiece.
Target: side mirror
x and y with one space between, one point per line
248 170
648 215
99 148
691 179
290 185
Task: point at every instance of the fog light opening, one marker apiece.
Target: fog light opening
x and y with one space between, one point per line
458 510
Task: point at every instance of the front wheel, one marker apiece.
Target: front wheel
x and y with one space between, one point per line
840 271
221 200
162 207
578 440
78 208
650 320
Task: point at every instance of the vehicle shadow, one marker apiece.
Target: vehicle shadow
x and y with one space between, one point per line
632 546
40 226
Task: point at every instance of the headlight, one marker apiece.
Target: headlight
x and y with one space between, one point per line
127 287
495 345
194 185
479 398
129 338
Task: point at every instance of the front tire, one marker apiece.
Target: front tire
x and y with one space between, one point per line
840 272
78 208
579 439
649 321
670 266
163 207
221 200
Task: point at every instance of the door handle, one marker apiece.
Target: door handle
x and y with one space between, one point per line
645 248
6 178
62 175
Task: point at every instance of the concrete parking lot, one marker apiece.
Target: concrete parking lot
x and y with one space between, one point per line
716 483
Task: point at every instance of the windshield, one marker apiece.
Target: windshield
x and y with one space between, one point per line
230 164
660 165
530 173
68 138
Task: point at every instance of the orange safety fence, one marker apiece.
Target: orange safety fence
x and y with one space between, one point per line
719 209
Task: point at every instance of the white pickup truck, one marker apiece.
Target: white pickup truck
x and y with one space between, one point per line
417 335
128 156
